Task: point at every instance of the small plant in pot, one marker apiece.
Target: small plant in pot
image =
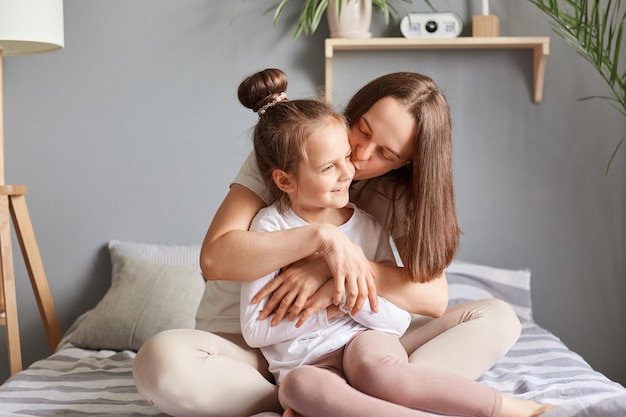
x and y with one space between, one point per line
314 10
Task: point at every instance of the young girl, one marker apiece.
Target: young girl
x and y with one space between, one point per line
303 152
303 149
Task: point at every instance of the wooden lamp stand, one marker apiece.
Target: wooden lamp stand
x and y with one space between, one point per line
12 200
26 26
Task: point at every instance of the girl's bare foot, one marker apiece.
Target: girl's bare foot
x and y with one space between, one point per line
543 409
517 407
290 413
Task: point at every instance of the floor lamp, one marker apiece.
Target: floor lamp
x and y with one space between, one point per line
26 26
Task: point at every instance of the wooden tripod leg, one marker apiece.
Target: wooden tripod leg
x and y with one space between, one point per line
34 265
8 288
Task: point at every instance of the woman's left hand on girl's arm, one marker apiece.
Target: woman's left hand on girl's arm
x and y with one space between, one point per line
322 299
290 290
338 257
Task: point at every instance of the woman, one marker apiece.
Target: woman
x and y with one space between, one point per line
401 140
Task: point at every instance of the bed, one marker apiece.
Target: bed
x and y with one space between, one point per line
90 372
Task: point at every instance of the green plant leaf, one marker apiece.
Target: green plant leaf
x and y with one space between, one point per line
595 29
608 166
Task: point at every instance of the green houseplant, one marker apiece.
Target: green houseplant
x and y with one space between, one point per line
313 11
595 29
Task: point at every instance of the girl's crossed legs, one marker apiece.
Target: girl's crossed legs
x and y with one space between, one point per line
372 376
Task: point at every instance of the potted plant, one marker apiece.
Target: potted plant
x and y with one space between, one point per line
313 11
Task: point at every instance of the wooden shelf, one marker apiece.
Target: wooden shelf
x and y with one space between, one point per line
539 44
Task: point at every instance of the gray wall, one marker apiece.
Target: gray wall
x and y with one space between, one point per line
133 132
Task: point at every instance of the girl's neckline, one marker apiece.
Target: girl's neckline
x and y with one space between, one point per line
340 216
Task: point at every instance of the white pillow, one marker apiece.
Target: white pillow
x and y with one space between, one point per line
188 256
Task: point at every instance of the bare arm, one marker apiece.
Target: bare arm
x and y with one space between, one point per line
428 299
393 283
231 252
396 285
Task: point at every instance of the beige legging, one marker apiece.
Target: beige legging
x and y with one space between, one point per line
188 373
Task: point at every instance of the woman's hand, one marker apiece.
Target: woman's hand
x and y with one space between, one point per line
351 269
339 258
290 290
322 299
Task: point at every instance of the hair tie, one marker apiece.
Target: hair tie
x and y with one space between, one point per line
282 96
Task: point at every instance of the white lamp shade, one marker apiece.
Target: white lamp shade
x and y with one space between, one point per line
30 26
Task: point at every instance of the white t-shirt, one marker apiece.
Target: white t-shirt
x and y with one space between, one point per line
286 346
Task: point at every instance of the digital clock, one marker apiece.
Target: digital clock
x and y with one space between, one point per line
431 25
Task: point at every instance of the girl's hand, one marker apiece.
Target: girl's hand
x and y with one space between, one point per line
290 290
350 268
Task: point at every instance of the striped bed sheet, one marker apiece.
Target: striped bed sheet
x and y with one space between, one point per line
81 382
76 382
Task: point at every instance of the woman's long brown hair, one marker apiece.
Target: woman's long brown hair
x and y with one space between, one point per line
433 231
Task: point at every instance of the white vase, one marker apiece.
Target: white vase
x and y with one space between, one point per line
355 19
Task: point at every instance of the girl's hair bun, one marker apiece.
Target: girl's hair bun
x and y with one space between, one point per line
261 88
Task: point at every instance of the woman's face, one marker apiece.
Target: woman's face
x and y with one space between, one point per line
381 140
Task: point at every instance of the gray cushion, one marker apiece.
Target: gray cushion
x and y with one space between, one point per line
145 297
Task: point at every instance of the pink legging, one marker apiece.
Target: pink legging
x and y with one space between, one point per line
372 376
193 373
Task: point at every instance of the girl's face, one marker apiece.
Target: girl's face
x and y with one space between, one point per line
381 140
324 175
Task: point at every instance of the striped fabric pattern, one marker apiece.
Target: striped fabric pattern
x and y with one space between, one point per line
468 281
76 382
81 382
542 368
